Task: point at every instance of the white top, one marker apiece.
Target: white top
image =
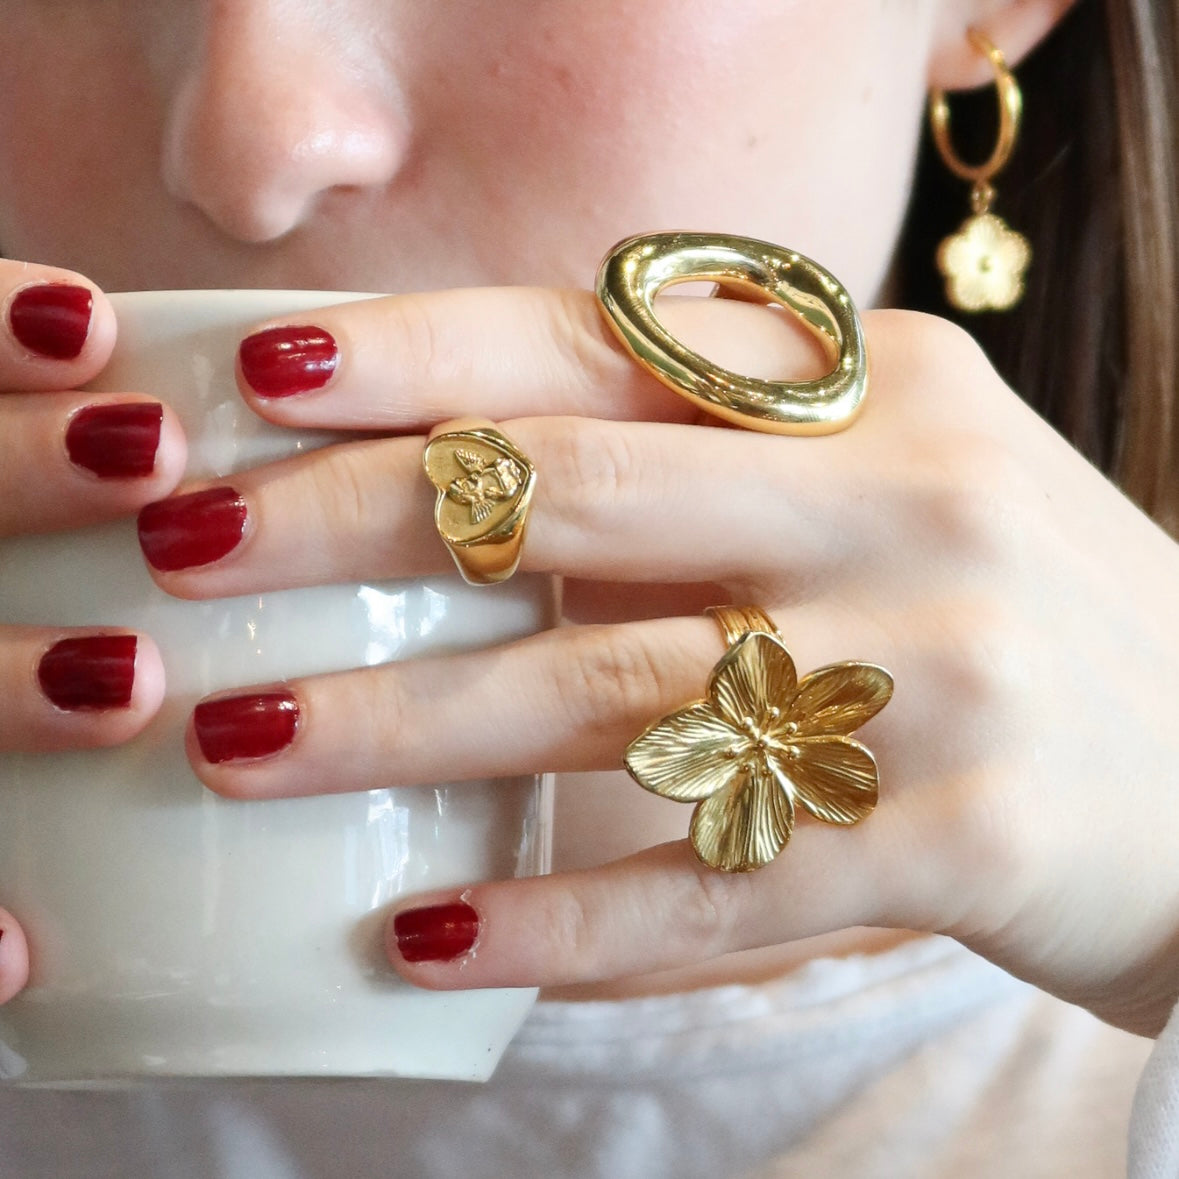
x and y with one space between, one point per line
920 1062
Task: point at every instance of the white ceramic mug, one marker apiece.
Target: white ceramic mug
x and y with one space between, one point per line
176 933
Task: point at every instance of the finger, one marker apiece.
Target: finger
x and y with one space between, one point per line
406 362
565 700
14 957
615 501
57 328
657 910
643 501
72 459
76 689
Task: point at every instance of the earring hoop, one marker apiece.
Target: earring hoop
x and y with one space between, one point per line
1010 116
985 262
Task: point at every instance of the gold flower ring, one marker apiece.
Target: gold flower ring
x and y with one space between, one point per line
763 743
484 485
634 272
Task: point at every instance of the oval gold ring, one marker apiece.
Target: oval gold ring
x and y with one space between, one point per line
634 272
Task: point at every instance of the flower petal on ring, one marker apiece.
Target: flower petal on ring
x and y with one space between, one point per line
835 778
744 826
755 674
683 756
839 698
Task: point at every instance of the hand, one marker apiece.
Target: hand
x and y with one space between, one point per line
67 459
1025 609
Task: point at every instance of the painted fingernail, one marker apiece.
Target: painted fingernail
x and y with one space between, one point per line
116 441
188 530
283 361
52 319
93 672
437 933
236 727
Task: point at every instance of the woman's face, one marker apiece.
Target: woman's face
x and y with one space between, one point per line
407 144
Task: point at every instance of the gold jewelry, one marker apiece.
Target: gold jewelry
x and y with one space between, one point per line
637 269
485 484
761 743
984 263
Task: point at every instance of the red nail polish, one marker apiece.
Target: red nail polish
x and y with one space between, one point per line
97 671
52 319
437 933
116 441
283 361
245 726
194 529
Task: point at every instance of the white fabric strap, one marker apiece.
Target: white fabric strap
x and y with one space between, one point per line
1154 1122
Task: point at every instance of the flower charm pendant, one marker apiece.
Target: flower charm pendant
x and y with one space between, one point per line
761 744
984 264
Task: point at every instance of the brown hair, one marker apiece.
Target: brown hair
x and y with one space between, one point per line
1094 346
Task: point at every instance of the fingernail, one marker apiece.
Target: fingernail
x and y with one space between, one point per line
116 441
283 361
187 530
97 671
52 319
245 726
437 933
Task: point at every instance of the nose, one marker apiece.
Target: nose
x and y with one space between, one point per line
271 115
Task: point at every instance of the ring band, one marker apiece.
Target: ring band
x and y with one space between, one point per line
637 269
737 621
484 485
762 743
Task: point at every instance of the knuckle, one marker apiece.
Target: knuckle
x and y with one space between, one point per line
965 491
342 491
591 471
378 706
709 911
606 677
934 346
344 497
413 336
696 917
978 658
565 924
574 323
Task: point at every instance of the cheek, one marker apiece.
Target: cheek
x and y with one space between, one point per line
73 140
793 122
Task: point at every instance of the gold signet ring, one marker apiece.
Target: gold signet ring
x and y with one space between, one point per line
484 484
762 743
636 270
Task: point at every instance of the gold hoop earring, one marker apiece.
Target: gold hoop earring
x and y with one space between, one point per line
984 263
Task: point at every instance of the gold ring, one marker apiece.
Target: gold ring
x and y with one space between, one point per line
637 269
762 743
484 484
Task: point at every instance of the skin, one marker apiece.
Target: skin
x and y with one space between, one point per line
1022 605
